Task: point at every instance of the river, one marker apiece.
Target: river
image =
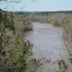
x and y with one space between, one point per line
48 47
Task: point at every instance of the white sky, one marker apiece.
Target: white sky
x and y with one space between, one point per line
37 5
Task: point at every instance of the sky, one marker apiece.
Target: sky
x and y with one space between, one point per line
36 5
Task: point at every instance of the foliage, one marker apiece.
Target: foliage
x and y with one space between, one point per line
62 66
13 49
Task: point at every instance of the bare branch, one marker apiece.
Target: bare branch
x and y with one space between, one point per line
13 1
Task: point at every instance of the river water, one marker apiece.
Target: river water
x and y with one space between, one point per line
48 46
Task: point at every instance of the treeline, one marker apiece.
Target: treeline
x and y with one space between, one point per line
42 13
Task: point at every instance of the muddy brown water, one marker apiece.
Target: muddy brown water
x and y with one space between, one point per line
48 46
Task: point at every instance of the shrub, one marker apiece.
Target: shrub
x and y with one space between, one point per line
13 49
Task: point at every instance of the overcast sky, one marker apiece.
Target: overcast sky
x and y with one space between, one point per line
37 5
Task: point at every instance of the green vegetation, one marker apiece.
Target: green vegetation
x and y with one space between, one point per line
62 66
32 66
70 59
13 49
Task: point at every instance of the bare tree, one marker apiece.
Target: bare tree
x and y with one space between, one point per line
10 4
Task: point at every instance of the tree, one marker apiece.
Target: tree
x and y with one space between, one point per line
11 2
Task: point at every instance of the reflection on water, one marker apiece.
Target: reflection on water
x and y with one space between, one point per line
48 44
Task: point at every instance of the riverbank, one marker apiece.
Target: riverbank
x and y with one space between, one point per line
49 48
60 19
